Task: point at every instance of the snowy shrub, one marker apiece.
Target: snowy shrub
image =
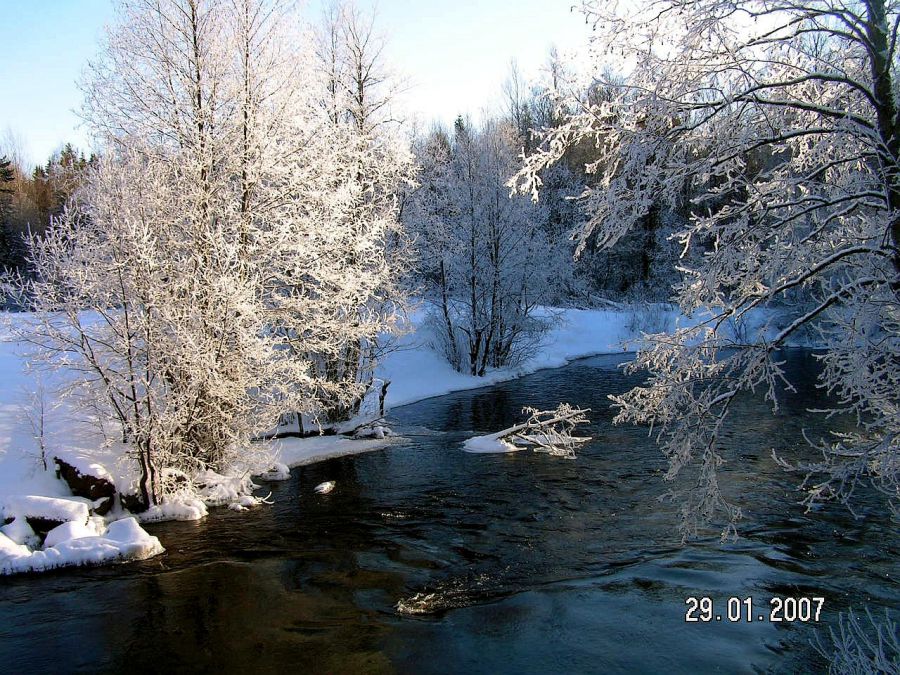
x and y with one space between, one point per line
858 648
486 255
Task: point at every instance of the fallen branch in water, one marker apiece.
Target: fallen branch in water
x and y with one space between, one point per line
547 431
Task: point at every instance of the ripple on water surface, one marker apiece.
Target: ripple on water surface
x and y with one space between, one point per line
427 559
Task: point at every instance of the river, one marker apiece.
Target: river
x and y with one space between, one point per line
427 559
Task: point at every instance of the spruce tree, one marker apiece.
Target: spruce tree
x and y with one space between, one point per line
7 176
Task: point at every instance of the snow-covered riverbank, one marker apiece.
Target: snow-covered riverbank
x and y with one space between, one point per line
414 369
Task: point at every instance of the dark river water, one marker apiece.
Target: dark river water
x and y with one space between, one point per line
520 563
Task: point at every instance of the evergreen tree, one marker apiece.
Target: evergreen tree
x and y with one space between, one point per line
7 176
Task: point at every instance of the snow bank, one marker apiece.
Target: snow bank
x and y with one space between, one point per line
492 443
185 508
301 451
46 508
417 372
77 545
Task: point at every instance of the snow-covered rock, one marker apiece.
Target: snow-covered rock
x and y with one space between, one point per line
57 509
68 531
185 508
21 533
75 545
278 472
378 431
87 478
325 488
218 490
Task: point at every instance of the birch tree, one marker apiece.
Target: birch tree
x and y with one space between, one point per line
206 260
780 119
359 90
487 255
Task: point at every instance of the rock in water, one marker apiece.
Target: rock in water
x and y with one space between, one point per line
325 488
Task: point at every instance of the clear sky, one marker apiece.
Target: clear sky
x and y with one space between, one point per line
456 54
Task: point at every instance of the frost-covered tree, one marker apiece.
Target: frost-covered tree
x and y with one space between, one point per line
350 52
485 253
358 90
780 118
216 254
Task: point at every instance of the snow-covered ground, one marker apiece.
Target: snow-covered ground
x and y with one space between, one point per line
413 368
416 371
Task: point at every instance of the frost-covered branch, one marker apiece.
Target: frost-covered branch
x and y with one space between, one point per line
549 431
773 128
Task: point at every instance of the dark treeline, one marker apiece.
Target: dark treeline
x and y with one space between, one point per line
30 198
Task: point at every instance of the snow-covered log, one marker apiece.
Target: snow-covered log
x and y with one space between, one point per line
549 431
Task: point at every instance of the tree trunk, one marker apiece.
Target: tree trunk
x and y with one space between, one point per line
886 109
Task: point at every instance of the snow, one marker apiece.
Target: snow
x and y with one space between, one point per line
325 488
416 371
49 508
491 443
67 532
185 508
84 463
219 490
123 540
20 532
302 451
278 472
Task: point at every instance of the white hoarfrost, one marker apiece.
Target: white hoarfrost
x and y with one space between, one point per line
773 128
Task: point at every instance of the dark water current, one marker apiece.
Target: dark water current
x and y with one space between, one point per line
521 563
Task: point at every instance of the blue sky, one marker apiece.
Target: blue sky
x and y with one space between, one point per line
456 54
